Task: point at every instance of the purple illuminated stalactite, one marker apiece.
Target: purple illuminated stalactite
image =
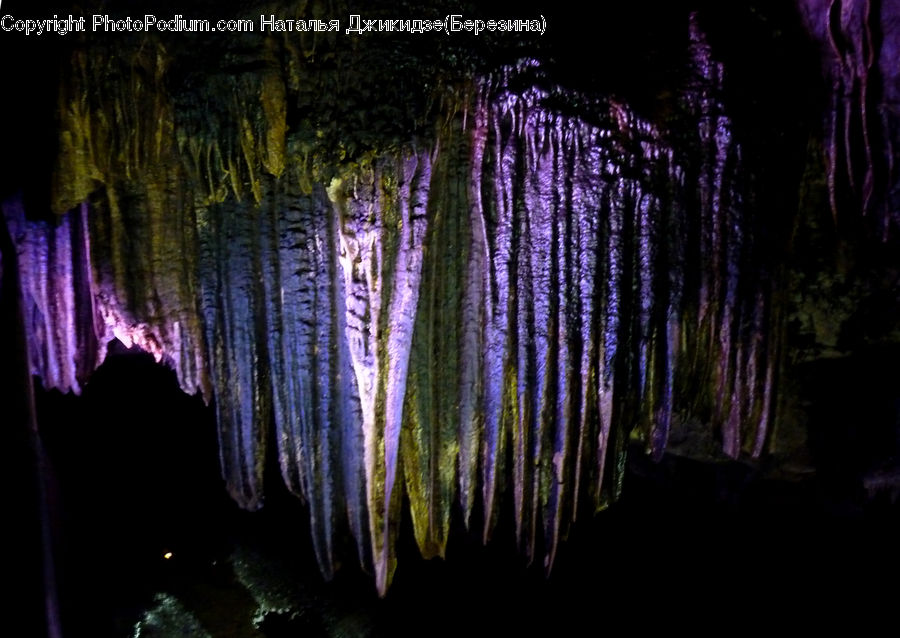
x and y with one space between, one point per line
850 37
20 412
360 260
609 342
645 214
727 247
381 238
699 97
768 358
234 308
73 308
313 397
675 278
532 310
499 328
534 282
144 257
552 178
859 46
349 408
585 202
556 415
67 337
576 210
412 197
543 191
727 319
473 416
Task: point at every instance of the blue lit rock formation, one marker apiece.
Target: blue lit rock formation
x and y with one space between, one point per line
497 307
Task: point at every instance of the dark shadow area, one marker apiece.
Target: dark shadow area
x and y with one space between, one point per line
24 514
136 475
854 430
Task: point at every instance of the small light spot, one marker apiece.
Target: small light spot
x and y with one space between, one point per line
167 555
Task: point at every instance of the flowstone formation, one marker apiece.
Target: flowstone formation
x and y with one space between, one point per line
492 304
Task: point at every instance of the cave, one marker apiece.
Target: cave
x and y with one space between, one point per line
424 318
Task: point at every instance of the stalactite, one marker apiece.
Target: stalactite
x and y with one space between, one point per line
430 441
859 51
382 229
233 302
67 335
531 287
315 401
728 300
25 246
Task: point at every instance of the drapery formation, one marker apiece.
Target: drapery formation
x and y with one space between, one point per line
489 313
860 45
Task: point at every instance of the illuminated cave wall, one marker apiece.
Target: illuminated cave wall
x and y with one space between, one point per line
497 303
